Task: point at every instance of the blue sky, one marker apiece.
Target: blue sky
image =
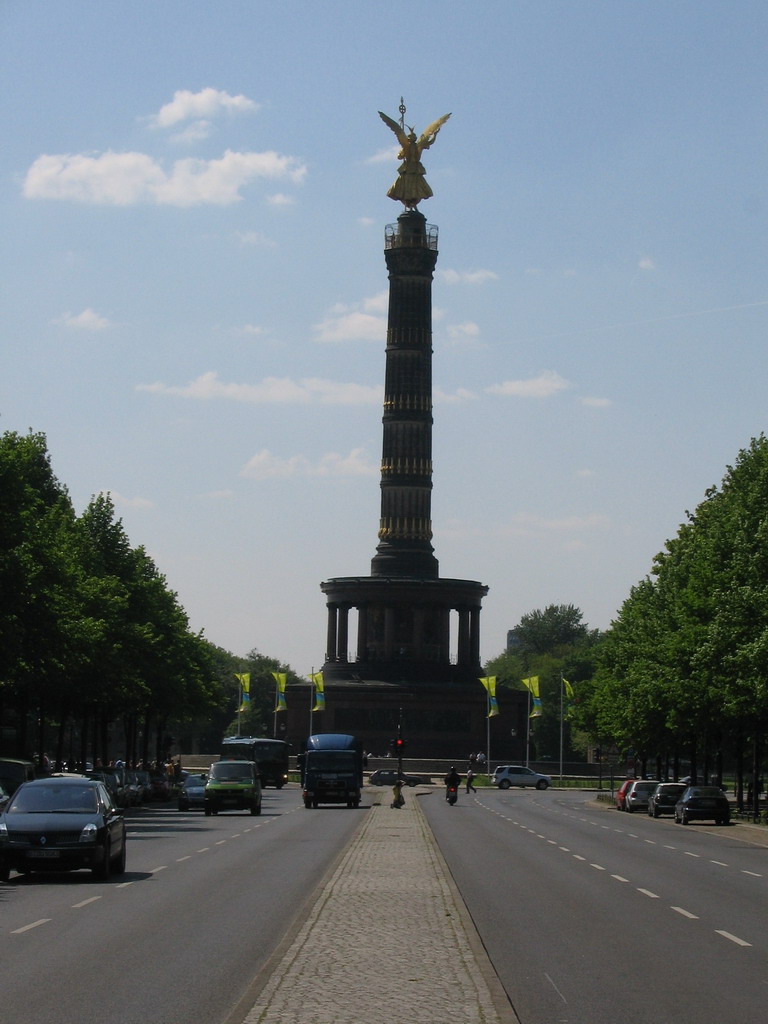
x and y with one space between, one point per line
194 289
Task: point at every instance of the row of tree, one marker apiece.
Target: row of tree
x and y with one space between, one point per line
679 682
96 653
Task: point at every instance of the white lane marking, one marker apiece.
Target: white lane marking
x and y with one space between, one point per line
180 859
554 986
577 856
685 913
689 854
620 878
205 849
647 892
754 874
221 842
597 867
123 885
719 863
29 927
162 867
77 906
733 938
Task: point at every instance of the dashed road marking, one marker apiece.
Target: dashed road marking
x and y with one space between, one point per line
29 927
685 913
732 938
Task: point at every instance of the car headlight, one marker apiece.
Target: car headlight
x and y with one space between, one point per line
88 835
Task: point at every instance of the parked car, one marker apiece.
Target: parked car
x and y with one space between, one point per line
161 786
701 803
621 793
638 795
663 799
388 777
233 786
145 781
13 772
517 775
109 780
4 798
62 824
192 793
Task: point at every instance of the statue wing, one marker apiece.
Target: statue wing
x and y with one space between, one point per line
402 138
428 135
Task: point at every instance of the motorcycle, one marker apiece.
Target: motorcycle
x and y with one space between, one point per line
451 795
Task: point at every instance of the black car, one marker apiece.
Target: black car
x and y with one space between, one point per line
702 803
388 777
61 824
663 799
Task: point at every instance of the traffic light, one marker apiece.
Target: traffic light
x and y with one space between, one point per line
398 745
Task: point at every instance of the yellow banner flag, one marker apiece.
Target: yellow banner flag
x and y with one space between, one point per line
533 685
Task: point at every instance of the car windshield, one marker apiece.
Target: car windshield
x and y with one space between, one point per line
231 771
52 799
194 782
704 791
645 787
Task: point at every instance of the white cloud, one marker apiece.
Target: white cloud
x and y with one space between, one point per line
440 397
467 331
251 330
384 156
271 390
255 238
207 103
646 264
88 320
280 199
468 276
125 179
527 525
122 502
377 303
352 324
264 465
596 403
548 383
194 132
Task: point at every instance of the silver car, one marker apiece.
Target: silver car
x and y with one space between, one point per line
517 775
639 794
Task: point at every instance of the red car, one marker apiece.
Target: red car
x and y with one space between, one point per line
621 795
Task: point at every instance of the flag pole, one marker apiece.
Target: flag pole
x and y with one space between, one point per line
274 713
528 731
239 701
561 727
311 697
488 733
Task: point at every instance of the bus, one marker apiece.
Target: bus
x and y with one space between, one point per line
270 755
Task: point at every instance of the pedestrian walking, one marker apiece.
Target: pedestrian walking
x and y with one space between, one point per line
470 781
398 800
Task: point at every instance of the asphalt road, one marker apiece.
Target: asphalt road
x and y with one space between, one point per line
591 916
177 939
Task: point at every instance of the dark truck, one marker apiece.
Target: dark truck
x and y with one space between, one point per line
331 769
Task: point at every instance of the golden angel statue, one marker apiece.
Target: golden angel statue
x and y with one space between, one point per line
411 184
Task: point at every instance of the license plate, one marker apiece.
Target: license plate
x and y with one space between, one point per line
708 803
43 854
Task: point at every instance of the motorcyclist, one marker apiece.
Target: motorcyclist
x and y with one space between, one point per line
452 780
